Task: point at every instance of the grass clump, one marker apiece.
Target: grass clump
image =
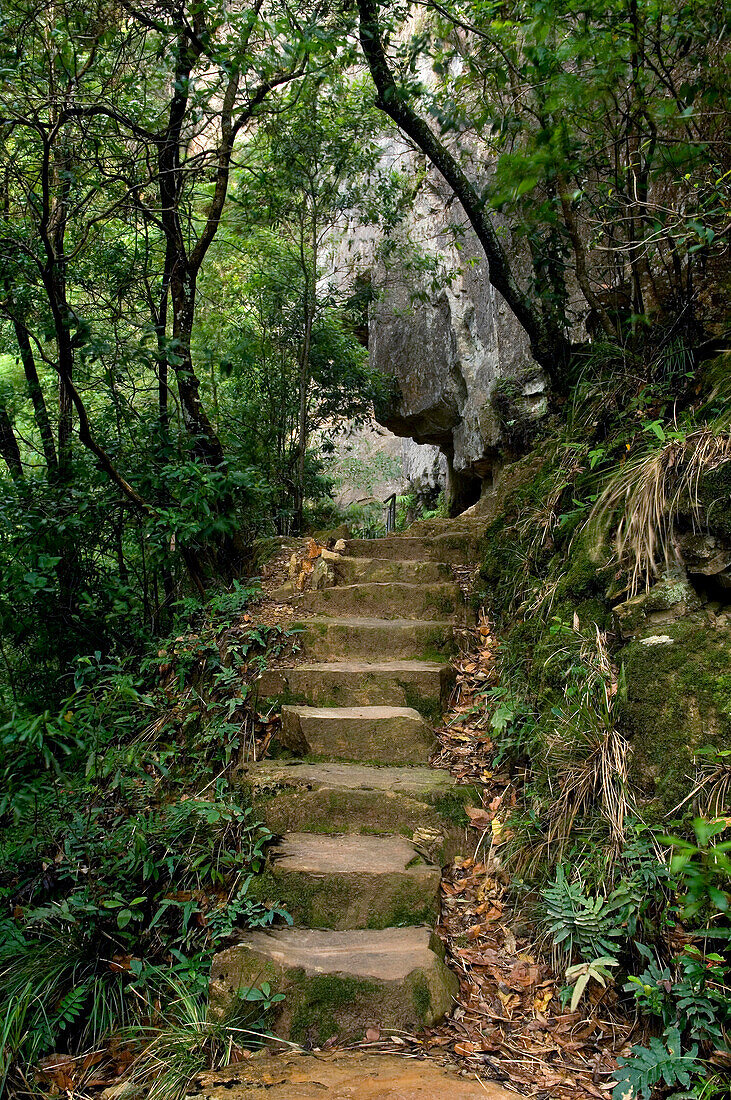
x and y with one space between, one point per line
186 1038
645 498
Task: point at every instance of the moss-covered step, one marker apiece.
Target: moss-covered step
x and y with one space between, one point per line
362 570
342 639
456 548
380 735
387 600
355 798
349 881
423 685
339 983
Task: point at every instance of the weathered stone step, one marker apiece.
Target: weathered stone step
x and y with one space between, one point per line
424 685
387 600
362 570
380 735
462 525
349 881
339 983
460 548
336 639
344 1075
354 798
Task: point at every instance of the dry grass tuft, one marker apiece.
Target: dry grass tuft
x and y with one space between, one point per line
537 525
648 494
587 757
712 790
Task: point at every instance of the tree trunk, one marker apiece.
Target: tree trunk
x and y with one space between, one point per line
161 328
309 270
206 442
35 392
9 445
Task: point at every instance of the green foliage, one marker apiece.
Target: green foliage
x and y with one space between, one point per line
126 855
692 996
410 508
555 177
513 721
662 1062
578 924
703 868
189 1037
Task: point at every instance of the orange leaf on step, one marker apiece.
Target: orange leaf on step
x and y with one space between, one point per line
479 818
465 1049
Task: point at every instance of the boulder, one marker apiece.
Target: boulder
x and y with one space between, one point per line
666 602
340 983
677 702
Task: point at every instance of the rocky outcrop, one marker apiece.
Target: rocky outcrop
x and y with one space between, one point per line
369 463
677 711
464 377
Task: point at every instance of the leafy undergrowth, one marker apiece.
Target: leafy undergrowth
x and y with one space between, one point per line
567 989
567 985
127 852
632 923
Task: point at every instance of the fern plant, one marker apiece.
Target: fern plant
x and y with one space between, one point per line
692 995
661 1062
579 924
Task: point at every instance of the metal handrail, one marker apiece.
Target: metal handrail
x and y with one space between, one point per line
390 503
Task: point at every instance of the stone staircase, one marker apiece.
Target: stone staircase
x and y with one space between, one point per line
365 824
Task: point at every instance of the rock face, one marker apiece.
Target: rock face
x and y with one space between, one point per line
677 711
425 469
461 363
369 463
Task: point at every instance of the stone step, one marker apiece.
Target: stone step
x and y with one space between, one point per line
363 570
339 639
380 735
346 881
344 1075
339 983
457 548
462 525
387 600
354 798
423 685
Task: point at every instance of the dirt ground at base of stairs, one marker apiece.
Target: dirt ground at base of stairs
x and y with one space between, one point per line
343 1076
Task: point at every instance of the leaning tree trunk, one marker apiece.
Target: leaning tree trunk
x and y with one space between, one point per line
549 345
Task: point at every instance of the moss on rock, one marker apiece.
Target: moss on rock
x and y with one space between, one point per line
678 700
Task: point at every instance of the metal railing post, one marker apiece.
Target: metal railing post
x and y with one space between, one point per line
390 503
